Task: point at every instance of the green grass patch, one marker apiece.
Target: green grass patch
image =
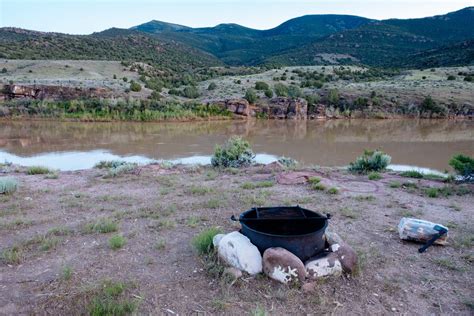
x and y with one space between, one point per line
38 170
66 273
374 176
102 226
199 190
349 213
412 174
203 241
111 299
117 242
256 185
314 180
333 190
318 187
11 255
394 184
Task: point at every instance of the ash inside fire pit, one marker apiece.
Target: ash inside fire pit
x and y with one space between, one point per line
298 230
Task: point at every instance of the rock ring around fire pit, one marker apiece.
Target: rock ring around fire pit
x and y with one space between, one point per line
286 243
295 229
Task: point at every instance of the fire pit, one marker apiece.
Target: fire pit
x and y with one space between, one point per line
296 229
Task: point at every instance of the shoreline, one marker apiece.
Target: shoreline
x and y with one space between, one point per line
66 220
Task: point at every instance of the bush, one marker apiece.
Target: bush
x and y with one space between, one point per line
116 242
4 70
451 77
212 86
203 241
251 96
281 90
190 92
288 162
294 92
8 185
430 106
370 161
463 165
260 85
269 93
135 86
37 170
333 97
235 153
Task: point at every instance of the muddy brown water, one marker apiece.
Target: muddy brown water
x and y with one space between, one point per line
75 145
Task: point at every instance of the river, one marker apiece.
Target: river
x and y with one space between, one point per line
77 145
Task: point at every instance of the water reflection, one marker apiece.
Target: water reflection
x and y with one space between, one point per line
72 145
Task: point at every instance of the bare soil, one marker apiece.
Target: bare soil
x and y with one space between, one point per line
159 210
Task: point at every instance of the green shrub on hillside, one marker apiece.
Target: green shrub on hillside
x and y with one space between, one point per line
333 97
135 86
235 153
294 92
430 107
190 92
269 93
281 90
370 161
260 85
251 96
212 86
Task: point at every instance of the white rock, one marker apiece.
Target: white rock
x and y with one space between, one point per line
217 239
237 251
321 267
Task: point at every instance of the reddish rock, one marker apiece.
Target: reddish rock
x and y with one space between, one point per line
285 108
283 266
346 255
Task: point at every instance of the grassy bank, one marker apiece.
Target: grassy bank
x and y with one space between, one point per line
111 110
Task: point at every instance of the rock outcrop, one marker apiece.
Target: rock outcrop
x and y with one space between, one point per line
285 108
42 92
236 106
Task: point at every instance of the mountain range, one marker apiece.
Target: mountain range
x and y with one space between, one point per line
443 40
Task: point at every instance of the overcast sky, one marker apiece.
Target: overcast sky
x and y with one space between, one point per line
87 16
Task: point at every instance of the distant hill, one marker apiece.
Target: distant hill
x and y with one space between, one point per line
459 54
112 44
311 39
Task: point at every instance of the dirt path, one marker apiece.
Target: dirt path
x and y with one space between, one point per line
55 263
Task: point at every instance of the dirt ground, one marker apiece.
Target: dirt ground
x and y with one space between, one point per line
53 262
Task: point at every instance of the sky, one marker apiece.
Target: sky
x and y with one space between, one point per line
88 16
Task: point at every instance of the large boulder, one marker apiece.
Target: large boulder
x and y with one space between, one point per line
237 251
283 266
324 265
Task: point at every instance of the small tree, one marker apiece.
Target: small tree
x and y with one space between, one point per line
260 85
212 86
294 92
281 90
333 97
135 86
190 92
251 96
